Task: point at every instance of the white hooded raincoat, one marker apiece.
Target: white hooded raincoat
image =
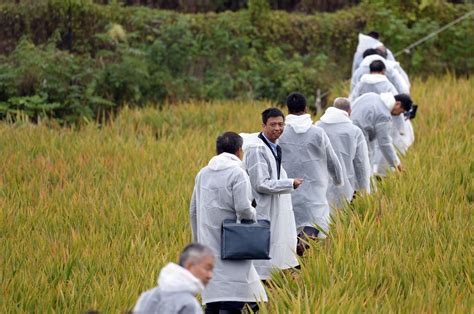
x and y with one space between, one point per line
350 146
372 114
273 199
222 191
308 154
175 293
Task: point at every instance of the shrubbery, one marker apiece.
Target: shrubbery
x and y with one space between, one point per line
136 56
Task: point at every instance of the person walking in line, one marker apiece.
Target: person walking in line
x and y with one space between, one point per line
222 191
271 190
308 154
179 284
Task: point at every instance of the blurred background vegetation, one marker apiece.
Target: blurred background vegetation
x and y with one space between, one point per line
75 59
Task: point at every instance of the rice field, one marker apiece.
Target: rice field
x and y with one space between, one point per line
90 215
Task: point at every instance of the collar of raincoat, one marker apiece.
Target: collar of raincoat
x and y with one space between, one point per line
388 100
373 78
251 140
174 278
224 161
334 115
369 59
301 123
366 42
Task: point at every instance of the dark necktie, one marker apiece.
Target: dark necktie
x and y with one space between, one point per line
278 160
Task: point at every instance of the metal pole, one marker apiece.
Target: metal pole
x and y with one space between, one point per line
317 104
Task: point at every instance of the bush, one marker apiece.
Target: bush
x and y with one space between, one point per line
137 55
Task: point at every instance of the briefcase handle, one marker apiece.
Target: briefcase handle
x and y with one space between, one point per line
246 221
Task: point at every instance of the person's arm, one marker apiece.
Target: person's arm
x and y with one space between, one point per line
333 164
382 133
241 195
361 165
356 61
193 215
257 168
355 78
355 92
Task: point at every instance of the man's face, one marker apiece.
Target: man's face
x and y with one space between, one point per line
203 269
273 128
397 109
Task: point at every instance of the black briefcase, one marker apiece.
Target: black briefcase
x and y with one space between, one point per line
245 240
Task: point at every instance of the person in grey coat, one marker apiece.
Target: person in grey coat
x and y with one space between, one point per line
375 82
372 113
179 284
350 146
308 154
222 191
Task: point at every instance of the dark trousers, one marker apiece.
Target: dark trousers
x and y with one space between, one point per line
229 307
308 233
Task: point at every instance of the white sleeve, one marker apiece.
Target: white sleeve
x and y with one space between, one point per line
333 165
361 165
257 168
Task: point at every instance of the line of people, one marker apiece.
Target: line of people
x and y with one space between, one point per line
293 173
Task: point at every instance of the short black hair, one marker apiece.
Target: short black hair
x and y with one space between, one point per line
405 100
372 51
374 34
228 142
377 66
271 113
296 102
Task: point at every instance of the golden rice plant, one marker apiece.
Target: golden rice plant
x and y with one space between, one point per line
89 215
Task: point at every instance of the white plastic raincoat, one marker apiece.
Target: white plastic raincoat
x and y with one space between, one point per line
175 293
273 199
375 83
308 154
393 72
372 114
222 191
350 147
367 42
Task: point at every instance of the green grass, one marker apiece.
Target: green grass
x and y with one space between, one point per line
89 216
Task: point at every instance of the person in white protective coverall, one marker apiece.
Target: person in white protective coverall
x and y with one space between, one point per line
375 82
372 113
222 191
179 284
307 153
271 189
350 146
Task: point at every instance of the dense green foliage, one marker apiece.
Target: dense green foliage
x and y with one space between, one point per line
138 55
90 215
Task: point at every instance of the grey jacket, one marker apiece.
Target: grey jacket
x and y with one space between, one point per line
174 294
373 117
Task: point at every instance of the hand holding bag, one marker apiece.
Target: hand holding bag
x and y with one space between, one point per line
245 240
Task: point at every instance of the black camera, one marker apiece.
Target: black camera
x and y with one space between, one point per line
411 114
